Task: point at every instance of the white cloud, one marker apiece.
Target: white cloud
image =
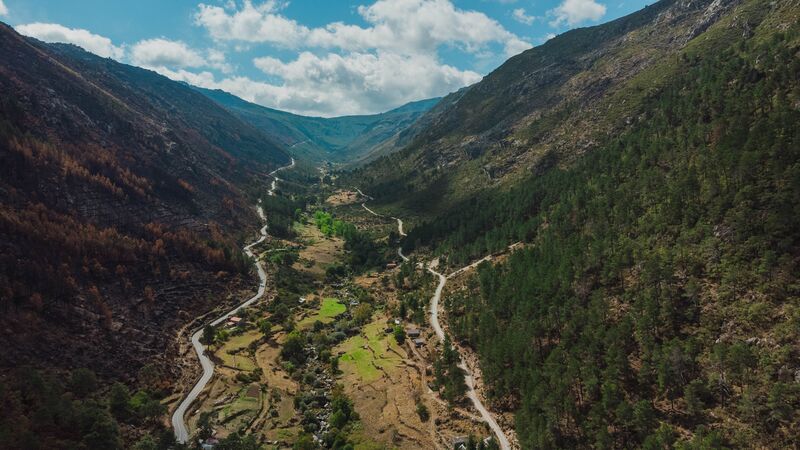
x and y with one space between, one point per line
353 69
216 59
521 16
389 59
165 53
51 32
251 24
403 26
335 85
359 82
201 79
573 12
3 9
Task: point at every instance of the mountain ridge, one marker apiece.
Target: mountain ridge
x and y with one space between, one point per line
343 139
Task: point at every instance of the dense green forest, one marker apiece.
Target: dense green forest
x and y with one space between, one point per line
657 302
281 214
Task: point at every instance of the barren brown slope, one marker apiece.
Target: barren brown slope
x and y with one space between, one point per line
123 196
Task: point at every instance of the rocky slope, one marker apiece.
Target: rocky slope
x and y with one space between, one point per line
123 196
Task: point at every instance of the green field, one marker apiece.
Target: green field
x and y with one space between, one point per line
241 411
328 310
241 361
366 362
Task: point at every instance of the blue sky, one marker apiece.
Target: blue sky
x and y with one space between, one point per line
321 57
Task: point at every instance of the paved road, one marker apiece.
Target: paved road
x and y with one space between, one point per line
472 394
399 222
275 179
471 266
437 295
400 226
298 143
178 422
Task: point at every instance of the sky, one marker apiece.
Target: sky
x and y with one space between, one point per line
313 57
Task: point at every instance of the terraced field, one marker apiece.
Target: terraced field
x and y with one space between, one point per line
329 309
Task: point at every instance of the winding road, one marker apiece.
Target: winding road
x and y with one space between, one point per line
399 222
178 417
472 394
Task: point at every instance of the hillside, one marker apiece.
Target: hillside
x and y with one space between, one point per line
345 139
123 199
655 302
549 105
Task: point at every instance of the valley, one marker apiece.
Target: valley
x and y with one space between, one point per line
256 388
178 424
593 245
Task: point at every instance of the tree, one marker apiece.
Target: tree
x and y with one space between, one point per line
293 349
422 412
362 313
103 434
83 382
694 394
208 335
149 376
204 428
146 443
236 441
119 399
399 334
152 410
265 327
304 442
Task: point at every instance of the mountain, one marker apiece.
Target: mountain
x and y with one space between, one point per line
337 139
553 103
650 170
123 201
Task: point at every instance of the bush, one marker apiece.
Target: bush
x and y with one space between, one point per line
422 412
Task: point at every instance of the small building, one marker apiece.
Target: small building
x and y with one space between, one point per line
419 342
413 333
391 265
354 302
235 322
460 442
209 443
397 321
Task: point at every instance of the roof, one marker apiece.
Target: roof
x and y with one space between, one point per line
460 440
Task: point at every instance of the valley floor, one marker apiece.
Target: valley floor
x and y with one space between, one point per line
347 327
